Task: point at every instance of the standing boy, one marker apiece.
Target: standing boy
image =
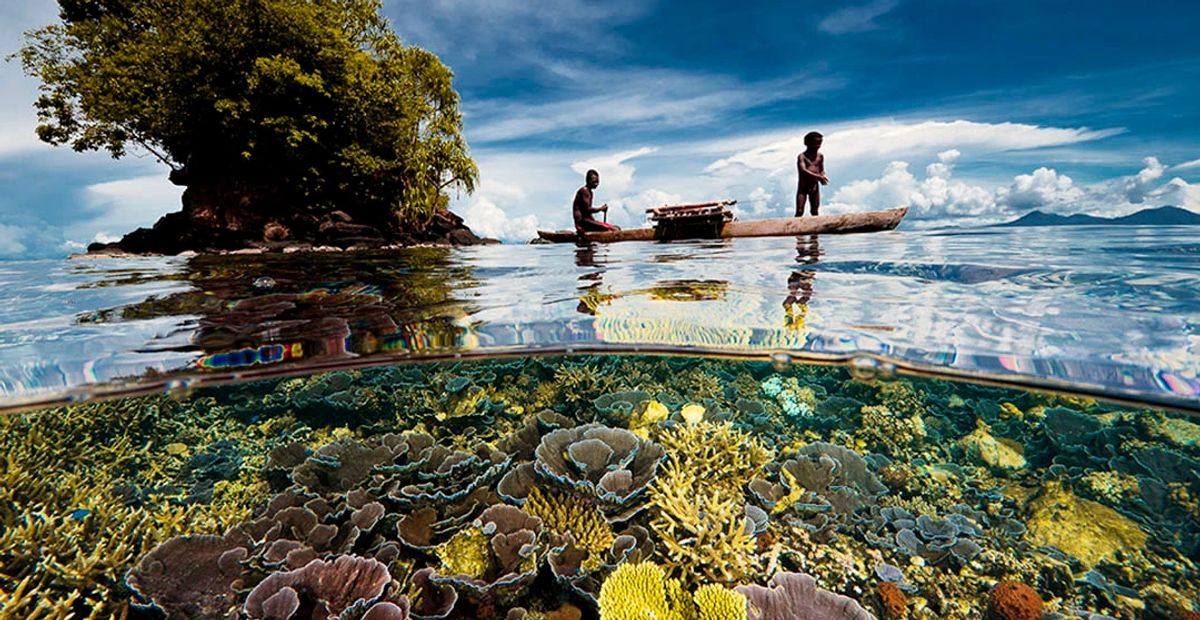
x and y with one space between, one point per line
811 165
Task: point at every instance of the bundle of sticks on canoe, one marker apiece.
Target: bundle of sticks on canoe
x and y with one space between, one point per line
702 220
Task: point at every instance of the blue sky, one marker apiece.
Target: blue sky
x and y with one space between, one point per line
965 112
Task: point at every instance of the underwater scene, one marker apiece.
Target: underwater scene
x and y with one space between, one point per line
600 486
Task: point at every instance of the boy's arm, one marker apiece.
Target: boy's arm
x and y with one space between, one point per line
821 167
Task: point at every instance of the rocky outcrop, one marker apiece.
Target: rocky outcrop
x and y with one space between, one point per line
231 217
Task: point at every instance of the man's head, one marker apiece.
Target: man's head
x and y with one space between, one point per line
593 179
813 140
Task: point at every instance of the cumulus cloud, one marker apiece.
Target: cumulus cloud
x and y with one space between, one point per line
488 220
1044 189
857 18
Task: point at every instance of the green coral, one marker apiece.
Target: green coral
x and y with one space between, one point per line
885 431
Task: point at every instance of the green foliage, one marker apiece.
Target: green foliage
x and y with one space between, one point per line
317 100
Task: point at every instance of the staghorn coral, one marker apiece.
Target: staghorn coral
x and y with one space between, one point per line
730 458
703 533
87 489
884 431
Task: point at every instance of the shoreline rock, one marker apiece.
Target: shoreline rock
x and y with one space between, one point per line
184 234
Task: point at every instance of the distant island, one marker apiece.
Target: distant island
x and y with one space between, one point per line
1161 216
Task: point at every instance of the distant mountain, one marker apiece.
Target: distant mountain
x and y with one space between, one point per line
1161 216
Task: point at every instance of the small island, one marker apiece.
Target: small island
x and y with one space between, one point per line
291 125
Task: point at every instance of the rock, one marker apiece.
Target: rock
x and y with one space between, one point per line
997 453
1013 600
1087 530
893 605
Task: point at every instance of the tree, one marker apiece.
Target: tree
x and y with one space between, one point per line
274 108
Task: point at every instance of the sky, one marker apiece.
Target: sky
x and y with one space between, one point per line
967 113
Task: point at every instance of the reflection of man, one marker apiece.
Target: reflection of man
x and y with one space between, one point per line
582 210
800 283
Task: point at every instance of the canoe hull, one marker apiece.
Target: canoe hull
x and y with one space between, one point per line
873 221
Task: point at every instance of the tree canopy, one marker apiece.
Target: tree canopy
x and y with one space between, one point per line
317 99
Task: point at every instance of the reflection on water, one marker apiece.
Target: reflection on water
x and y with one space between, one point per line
560 486
1030 304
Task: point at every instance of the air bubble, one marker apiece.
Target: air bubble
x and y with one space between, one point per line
865 368
781 361
179 389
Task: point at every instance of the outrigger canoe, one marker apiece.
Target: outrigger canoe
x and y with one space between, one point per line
713 221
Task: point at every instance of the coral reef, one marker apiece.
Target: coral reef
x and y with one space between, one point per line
563 488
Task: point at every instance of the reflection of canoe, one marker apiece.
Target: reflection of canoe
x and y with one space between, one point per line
778 227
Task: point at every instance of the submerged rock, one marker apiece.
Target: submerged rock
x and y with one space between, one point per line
1082 528
995 452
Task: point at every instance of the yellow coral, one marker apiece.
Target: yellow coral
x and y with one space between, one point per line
648 415
794 494
692 414
643 592
567 514
636 592
701 531
714 602
728 458
466 553
1009 410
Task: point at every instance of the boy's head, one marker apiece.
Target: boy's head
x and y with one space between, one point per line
592 179
813 140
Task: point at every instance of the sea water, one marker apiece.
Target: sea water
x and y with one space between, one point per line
923 425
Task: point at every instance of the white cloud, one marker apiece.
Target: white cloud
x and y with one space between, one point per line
856 18
18 92
1187 165
593 98
614 172
123 205
1044 189
889 140
1135 188
488 220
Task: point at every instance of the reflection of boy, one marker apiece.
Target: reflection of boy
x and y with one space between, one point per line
811 166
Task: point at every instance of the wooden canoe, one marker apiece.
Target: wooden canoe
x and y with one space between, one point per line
872 221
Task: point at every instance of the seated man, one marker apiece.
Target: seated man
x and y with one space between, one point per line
582 208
